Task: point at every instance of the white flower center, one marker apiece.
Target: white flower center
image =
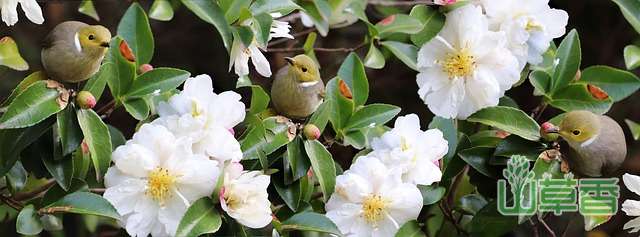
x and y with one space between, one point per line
232 200
159 184
404 145
196 109
459 64
374 208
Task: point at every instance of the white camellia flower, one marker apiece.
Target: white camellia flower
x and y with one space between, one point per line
413 151
244 196
466 67
31 9
240 54
205 117
632 207
530 26
371 200
155 179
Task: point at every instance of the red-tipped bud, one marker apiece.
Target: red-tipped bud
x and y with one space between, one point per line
548 131
85 100
311 132
145 68
84 147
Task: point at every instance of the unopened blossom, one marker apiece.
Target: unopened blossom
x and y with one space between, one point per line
415 152
632 207
530 26
466 67
444 2
370 199
205 117
9 11
156 177
244 196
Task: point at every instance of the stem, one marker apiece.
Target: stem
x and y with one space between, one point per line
541 220
36 192
12 203
343 50
535 228
53 210
107 109
401 3
537 111
290 17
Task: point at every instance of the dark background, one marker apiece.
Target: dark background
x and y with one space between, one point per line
189 43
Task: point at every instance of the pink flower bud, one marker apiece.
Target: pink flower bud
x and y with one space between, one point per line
444 2
85 100
145 68
311 132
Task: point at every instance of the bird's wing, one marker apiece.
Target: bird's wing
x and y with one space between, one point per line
65 31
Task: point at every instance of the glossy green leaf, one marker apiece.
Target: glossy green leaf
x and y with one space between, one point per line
618 84
201 218
157 81
35 104
98 82
86 7
263 23
269 6
259 100
264 138
117 138
68 129
569 56
60 170
372 115
471 203
81 164
10 56
232 8
56 192
28 222
509 119
123 71
161 10
24 84
297 158
432 21
134 28
577 97
353 73
320 118
340 107
489 222
410 229
16 178
137 108
96 135
630 9
515 145
374 58
431 193
210 12
591 222
398 23
310 221
478 158
316 13
634 128
541 81
87 204
632 57
407 53
323 166
13 141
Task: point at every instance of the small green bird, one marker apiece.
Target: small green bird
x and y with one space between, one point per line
73 51
597 143
298 89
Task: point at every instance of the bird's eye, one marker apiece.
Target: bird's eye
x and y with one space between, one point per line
304 69
576 132
91 37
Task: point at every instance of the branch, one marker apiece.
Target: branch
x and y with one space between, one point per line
12 203
401 3
36 192
290 17
537 111
53 210
291 50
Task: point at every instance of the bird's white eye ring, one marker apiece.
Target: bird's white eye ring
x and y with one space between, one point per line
576 132
91 37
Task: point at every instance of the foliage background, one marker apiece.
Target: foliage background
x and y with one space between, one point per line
188 43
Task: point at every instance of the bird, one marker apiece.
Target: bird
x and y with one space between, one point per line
597 144
297 90
73 51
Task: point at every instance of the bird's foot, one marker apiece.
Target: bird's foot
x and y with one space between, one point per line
564 167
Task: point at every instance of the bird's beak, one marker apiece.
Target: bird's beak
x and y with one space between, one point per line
105 44
289 60
553 129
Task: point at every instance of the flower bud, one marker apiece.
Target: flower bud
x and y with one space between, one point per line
145 68
548 132
444 2
311 132
126 51
85 100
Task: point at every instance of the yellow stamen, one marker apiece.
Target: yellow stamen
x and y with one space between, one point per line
373 208
196 109
404 145
532 25
159 184
459 64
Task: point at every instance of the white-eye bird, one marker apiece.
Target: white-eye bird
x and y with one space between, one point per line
597 143
298 89
73 51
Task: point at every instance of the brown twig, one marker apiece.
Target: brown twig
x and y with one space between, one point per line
36 192
107 109
541 220
400 3
535 228
291 50
538 110
53 210
12 203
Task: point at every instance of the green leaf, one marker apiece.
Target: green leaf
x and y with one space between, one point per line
374 58
10 56
210 12
24 84
298 159
134 28
265 137
569 56
323 167
489 222
353 73
263 24
60 170
137 108
577 97
16 178
68 129
398 23
432 21
618 84
340 107
117 138
201 218
316 12
269 6
97 82
630 10
541 81
407 53
591 222
320 118
259 100
431 193
372 115
96 135
310 221
13 141
56 192
161 10
472 203
515 145
86 7
478 158
632 57
28 222
157 81
509 119
410 229
232 8
123 71
86 203
634 128
244 33
35 104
